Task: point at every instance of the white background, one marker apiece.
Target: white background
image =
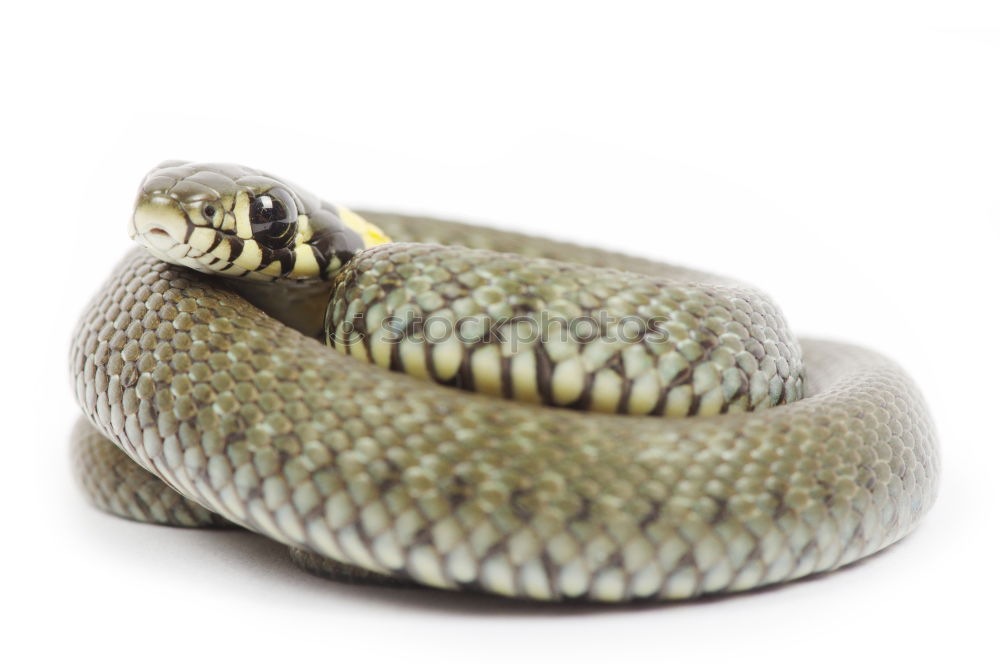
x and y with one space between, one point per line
843 156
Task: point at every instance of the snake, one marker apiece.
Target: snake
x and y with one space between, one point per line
417 401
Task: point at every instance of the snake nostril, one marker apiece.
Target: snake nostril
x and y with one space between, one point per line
158 231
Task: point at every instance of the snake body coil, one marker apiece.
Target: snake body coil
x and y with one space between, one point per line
791 458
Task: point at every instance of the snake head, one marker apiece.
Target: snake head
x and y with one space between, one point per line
236 221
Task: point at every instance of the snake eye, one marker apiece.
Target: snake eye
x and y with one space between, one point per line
272 218
208 211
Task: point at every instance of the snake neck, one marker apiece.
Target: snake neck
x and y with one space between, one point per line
300 305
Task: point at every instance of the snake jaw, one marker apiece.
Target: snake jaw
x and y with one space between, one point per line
161 226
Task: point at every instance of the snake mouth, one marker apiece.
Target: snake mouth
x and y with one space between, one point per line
160 225
159 219
158 238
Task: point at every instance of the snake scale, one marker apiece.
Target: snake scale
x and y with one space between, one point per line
473 409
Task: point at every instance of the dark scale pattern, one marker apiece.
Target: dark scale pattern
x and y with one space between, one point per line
614 341
399 476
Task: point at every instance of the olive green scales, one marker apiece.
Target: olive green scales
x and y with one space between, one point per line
685 443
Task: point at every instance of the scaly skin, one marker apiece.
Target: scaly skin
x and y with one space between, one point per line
413 480
563 334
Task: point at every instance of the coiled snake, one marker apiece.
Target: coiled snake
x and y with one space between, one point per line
605 427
